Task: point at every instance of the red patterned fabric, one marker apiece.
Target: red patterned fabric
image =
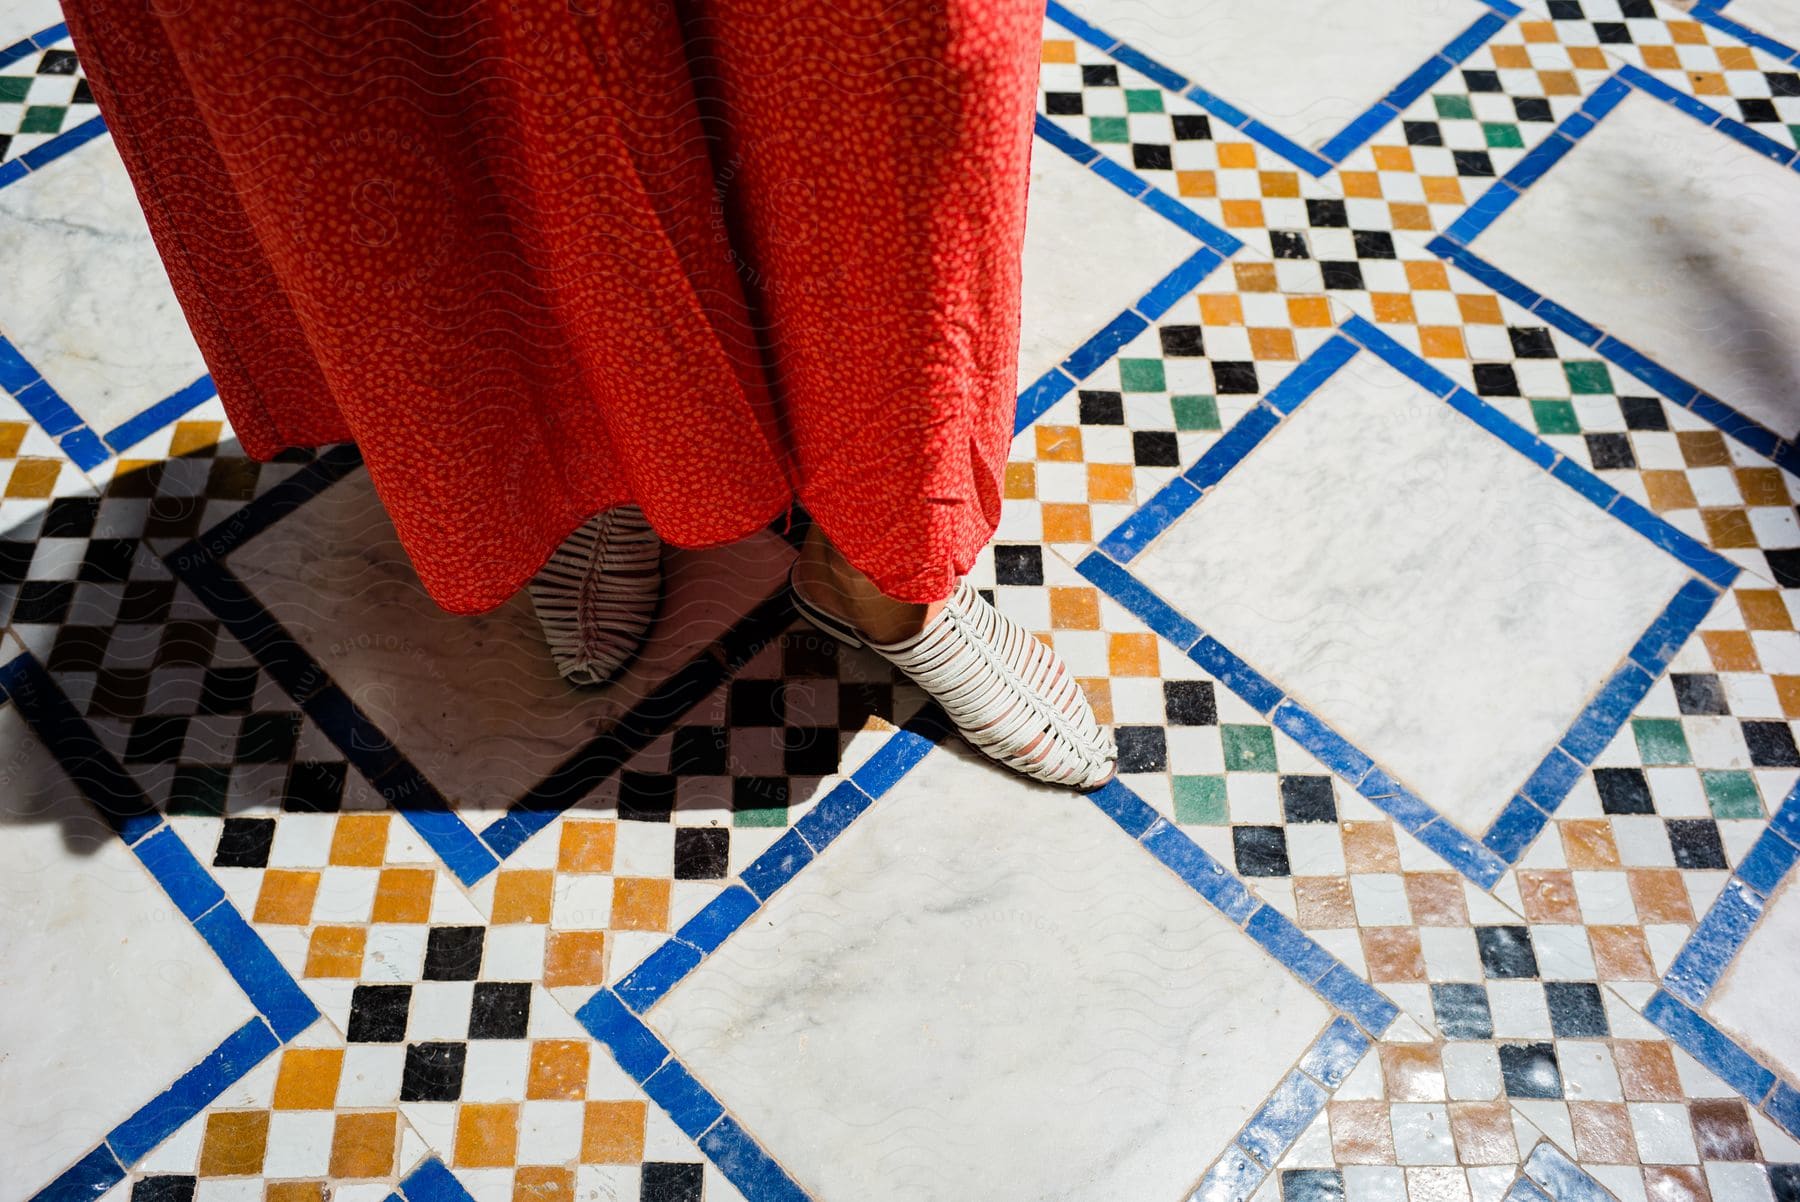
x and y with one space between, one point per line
542 257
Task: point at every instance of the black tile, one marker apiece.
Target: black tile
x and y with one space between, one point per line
500 1010
314 787
809 750
646 796
1771 744
1102 408
1473 163
163 1188
1147 156
1308 799
1695 842
1341 276
15 559
1327 214
244 843
1103 75
79 648
1637 8
378 1013
663 1182
1260 850
43 602
1234 378
1532 108
267 738
1612 33
1141 748
1610 452
758 702
1758 110
1530 1070
1784 1181
1482 81
1312 1185
1575 1009
70 517
156 738
1190 703
146 603
1531 342
1783 565
1783 83
57 62
1462 1011
1643 413
227 690
1623 791
433 1072
1017 563
1565 10
1288 244
1496 379
1190 127
1506 951
1373 244
1062 104
453 953
699 750
1422 133
108 560
1699 693
758 792
701 852
1155 448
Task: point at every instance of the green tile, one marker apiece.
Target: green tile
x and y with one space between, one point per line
1587 377
1141 375
1502 136
1731 794
1554 417
1195 412
1138 100
1453 106
1200 800
1660 741
42 119
13 88
199 789
1108 129
1248 748
760 816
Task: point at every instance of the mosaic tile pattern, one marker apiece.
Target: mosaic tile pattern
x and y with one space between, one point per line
457 996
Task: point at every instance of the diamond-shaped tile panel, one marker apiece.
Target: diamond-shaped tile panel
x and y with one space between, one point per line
42 94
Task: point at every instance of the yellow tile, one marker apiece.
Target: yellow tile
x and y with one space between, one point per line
559 1070
1236 154
1735 58
189 437
1661 58
1059 444
575 958
1708 83
1066 523
1687 33
1559 83
403 895
1242 214
1309 312
487 1135
1200 184
1442 189
1393 158
1021 481
1441 342
1393 307
1480 309
1058 50
308 1078
612 1133
1728 529
34 478
360 840
544 1183
12 437
1668 489
523 895
234 1143
587 846
1132 654
1109 482
1280 184
362 1145
1537 31
1272 344
286 896
1099 695
1074 609
1510 57
1410 217
1426 275
640 904
1763 609
335 952
1361 185
1254 277
294 1191
1221 309
1588 58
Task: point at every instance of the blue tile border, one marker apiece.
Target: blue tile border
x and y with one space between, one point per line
1493 16
1525 815
1549 1175
1454 246
1711 12
1710 950
430 1181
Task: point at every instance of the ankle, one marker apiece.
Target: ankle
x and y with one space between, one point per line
831 583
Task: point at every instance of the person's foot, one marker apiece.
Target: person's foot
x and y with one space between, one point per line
598 593
1009 693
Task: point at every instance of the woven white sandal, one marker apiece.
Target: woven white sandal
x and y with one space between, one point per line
596 596
1003 687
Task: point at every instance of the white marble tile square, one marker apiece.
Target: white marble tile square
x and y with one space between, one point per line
1420 586
1754 1001
985 989
111 994
1090 252
87 302
1678 240
1306 67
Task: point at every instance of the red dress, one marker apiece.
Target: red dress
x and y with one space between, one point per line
542 257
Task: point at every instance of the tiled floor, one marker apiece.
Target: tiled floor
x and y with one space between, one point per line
1408 421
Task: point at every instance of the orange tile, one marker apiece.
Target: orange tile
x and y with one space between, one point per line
1203 185
294 1191
575 958
1659 895
1728 529
1131 654
1660 58
586 845
1393 953
1242 214
1361 185
1731 650
559 1070
308 1078
1437 899
1669 490
1708 83
1058 50
1587 58
1603 1132
1360 1133
1787 690
1074 608
1324 902
359 840
234 1143
1412 1072
612 1133
192 436
1021 481
403 895
1370 847
34 478
1393 158
1549 895
1480 308
487 1135
1763 609
1513 57
1588 843
544 1183
1309 312
1410 216
1559 83
1537 31
1703 448
1099 695
1279 184
1235 154
1109 482
1426 275
286 896
1620 953
1066 523
1254 277
1676 1183
1272 344
1646 1070
12 435
1442 189
1059 444
1483 1133
1735 58
335 952
1221 309
1391 307
523 894
362 1145
1442 342
640 904
1761 486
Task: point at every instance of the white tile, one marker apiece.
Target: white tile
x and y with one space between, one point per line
1090 252
87 302
1754 1001
22 18
1426 590
1663 1132
1778 18
1694 267
111 994
1061 996
1306 67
